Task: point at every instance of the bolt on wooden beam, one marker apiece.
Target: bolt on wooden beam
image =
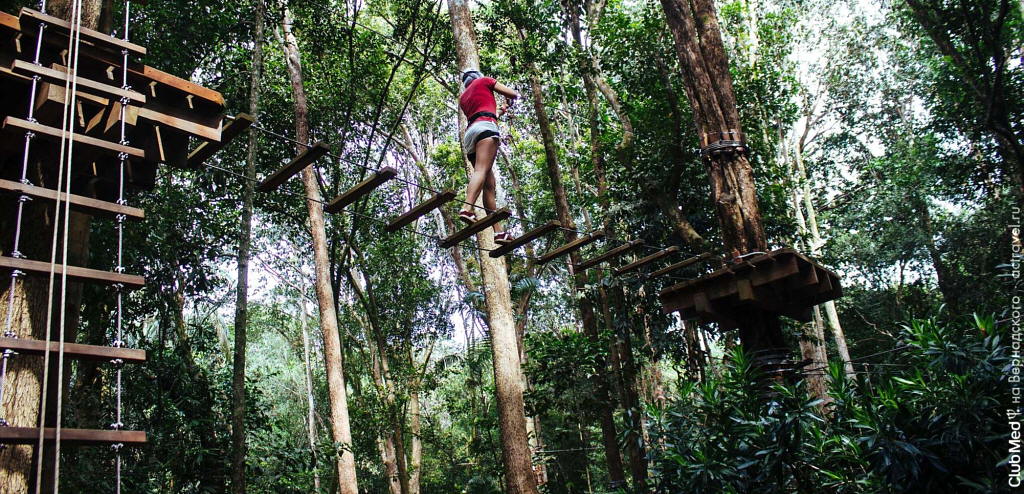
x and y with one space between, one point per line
296 165
633 266
525 238
438 200
571 247
487 221
361 189
611 254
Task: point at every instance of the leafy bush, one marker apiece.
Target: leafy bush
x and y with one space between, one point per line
928 420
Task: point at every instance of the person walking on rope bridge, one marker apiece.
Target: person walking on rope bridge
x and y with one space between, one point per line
481 142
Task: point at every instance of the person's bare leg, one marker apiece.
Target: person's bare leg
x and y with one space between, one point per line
486 149
491 196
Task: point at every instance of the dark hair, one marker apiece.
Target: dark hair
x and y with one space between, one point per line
470 76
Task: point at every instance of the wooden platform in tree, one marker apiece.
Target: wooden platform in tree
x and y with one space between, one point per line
74 351
296 165
782 282
525 238
40 268
484 223
30 436
361 189
438 200
82 204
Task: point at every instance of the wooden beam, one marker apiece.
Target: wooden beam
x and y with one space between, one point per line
525 238
54 133
438 200
83 204
76 351
611 254
187 126
680 265
361 189
633 266
30 436
56 76
55 24
487 221
207 149
573 246
74 273
296 165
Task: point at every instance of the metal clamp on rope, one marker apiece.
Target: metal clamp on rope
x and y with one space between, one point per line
716 143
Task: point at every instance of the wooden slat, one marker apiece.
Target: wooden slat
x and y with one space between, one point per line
74 273
680 265
54 133
438 200
56 76
361 189
573 246
55 24
78 203
525 238
197 129
207 149
487 221
30 435
73 350
611 254
296 165
633 266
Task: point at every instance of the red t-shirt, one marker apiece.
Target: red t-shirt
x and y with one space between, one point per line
478 97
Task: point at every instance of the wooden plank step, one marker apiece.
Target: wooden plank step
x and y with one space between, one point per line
207 149
296 165
83 204
53 133
58 25
56 76
573 246
74 273
30 436
633 266
75 351
525 238
682 264
438 200
361 189
618 251
487 221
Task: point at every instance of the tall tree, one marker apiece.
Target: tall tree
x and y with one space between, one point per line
709 88
341 430
508 374
238 446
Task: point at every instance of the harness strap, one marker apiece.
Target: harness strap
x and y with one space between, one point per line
479 114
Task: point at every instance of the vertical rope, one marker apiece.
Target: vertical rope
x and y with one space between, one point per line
119 288
66 152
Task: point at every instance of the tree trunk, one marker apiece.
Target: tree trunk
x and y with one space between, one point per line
238 446
416 446
709 88
341 431
311 404
508 377
613 457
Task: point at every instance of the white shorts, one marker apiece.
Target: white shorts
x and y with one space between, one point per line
482 129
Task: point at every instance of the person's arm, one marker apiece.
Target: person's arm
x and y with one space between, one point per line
510 95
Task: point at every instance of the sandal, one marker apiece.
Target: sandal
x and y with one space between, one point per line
468 217
503 238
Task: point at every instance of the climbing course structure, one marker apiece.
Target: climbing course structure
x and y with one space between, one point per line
84 124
